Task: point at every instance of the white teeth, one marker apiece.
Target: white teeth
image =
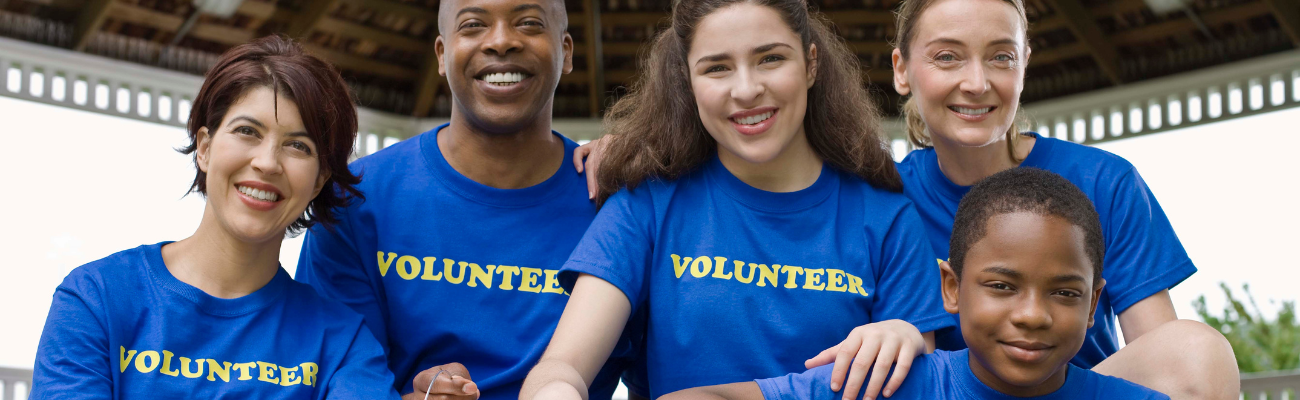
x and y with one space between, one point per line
258 194
971 111
754 119
503 78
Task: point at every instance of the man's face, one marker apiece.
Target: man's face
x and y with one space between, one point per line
1026 298
503 59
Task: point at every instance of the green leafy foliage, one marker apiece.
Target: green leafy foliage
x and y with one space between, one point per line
1259 343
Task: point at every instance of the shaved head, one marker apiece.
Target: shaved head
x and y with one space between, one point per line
449 9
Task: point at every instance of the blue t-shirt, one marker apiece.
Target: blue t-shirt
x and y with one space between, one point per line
1143 255
947 375
741 283
124 328
446 269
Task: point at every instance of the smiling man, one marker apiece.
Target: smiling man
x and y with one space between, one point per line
453 257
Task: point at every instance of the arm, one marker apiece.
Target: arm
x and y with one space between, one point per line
731 391
73 360
331 263
587 158
363 372
591 324
1147 315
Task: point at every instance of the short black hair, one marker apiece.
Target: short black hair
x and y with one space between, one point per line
1030 190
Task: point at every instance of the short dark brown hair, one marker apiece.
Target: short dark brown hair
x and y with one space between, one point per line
1031 190
324 102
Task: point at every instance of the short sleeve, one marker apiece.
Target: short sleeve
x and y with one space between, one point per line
363 373
1143 255
617 246
813 384
908 284
330 262
73 359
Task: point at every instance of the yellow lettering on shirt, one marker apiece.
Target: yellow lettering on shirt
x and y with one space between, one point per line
740 272
508 273
790 272
747 273
146 366
765 275
528 281
701 267
160 361
480 275
243 370
428 270
552 282
835 280
289 376
167 365
222 369
449 272
408 267
720 272
268 371
309 373
385 264
813 279
679 264
185 368
125 359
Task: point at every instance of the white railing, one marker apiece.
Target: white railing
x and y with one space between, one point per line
15 384
1275 385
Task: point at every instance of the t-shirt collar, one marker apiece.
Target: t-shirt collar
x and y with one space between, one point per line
207 303
763 200
477 192
1037 158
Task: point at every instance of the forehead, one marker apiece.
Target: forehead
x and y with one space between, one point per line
738 29
262 103
449 8
969 20
1032 244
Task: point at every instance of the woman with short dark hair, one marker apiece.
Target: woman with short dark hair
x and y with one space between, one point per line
214 315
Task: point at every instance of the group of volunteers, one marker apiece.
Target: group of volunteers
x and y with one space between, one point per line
741 232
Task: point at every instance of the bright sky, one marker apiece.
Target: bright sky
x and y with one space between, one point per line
83 186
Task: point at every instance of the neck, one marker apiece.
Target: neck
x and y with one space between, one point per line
966 165
220 264
511 158
796 168
1049 385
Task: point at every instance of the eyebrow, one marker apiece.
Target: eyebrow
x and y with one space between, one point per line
1069 278
467 10
757 50
259 124
959 42
1005 271
518 8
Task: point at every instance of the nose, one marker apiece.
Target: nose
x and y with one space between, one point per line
266 158
748 87
974 80
1032 313
502 40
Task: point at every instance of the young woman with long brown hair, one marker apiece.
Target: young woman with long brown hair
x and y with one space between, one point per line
751 212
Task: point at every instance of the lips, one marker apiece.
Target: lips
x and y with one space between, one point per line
1026 351
972 112
502 75
754 121
258 195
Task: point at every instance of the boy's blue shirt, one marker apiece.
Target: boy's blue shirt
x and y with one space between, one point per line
124 328
947 375
445 269
738 283
1143 255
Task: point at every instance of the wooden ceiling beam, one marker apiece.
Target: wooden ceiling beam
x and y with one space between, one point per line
857 17
1084 27
393 7
1057 54
352 62
1287 13
595 56
632 18
380 36
311 14
426 93
256 9
170 23
88 22
1183 25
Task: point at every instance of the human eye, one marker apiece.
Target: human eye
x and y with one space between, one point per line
998 286
300 147
471 24
714 69
945 57
771 58
245 130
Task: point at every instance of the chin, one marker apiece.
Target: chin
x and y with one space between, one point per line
1025 376
972 136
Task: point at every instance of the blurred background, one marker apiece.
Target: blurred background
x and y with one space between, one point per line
1200 95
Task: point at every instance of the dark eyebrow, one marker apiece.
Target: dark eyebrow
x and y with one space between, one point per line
1069 278
958 42
466 10
757 50
1005 271
530 6
299 134
250 120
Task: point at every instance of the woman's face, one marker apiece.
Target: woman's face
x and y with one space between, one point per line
966 69
750 80
262 167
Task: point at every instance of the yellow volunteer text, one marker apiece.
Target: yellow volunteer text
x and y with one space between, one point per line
534 280
150 361
822 279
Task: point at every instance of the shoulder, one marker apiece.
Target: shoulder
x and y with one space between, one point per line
126 267
913 161
1073 160
391 161
1109 387
880 201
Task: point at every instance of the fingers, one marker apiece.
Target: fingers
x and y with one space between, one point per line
825 357
905 356
591 180
861 365
884 359
843 358
579 154
452 380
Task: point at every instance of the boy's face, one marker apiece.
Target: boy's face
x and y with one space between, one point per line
1026 298
503 59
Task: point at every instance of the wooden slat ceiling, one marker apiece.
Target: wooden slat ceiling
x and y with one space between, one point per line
383 47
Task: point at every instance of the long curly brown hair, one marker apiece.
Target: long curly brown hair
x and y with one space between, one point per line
657 125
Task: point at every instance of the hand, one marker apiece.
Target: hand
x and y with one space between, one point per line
453 384
872 348
587 158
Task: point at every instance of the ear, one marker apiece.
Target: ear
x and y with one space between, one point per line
567 44
900 73
1096 294
321 179
438 47
201 151
950 285
812 64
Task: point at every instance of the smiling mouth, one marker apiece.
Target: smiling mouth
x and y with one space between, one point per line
258 194
754 119
972 111
504 79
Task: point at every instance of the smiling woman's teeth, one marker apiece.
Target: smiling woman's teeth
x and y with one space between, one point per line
971 111
754 119
259 194
504 78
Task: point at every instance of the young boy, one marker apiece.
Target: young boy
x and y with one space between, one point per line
1025 273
